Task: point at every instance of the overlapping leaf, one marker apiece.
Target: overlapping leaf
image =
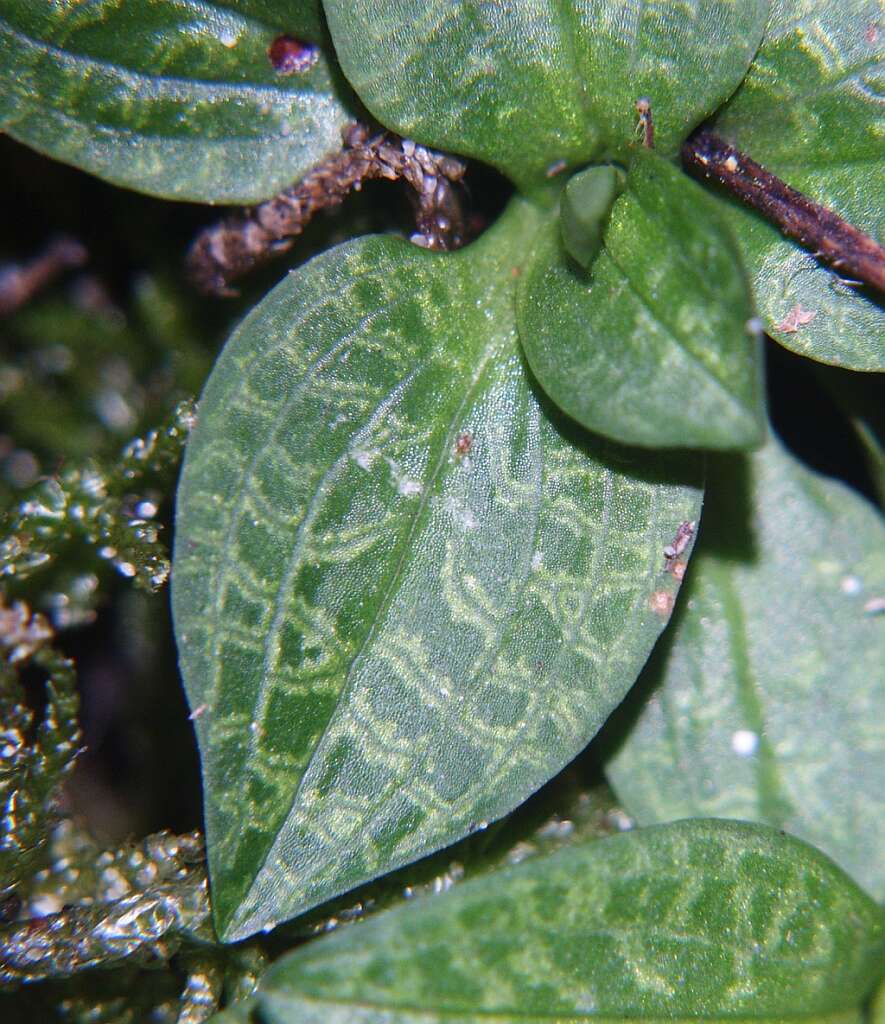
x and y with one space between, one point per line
404 595
859 396
809 110
768 693
701 919
176 99
654 344
530 84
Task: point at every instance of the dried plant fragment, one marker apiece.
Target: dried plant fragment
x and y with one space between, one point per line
20 283
231 248
646 124
672 551
464 443
290 56
796 318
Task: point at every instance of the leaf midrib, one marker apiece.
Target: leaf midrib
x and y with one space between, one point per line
731 399
773 804
243 486
129 76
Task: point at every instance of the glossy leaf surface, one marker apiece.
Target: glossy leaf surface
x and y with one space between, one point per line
700 919
404 595
767 697
810 111
654 344
527 84
176 99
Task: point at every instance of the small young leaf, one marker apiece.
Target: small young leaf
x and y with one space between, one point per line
654 344
531 84
176 99
809 110
768 693
700 919
585 207
404 596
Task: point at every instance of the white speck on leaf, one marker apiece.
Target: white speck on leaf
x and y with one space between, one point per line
851 585
364 459
408 488
461 513
405 485
744 742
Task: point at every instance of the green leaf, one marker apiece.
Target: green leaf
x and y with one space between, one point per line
242 1012
531 84
585 208
655 344
768 695
565 812
707 919
809 110
176 99
404 596
877 1008
859 396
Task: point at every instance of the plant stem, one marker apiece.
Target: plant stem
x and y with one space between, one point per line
815 227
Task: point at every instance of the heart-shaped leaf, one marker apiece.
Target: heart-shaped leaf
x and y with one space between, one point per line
404 595
768 691
701 919
180 99
809 110
655 344
533 86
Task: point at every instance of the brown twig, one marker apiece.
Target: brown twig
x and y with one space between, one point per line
19 283
231 248
815 227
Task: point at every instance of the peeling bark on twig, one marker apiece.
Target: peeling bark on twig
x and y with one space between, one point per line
231 248
815 227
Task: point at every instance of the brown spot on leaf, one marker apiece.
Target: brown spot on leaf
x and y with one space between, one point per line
661 602
464 443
